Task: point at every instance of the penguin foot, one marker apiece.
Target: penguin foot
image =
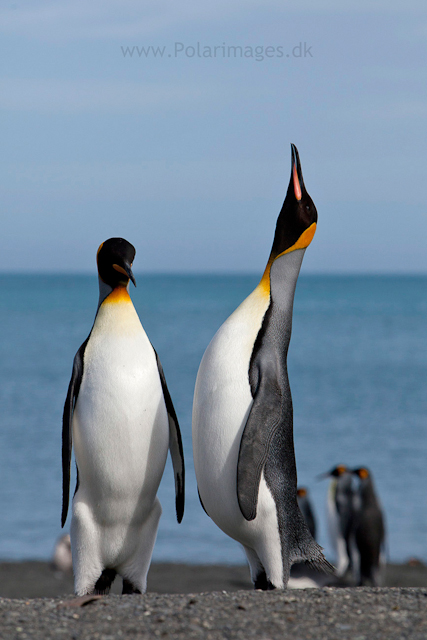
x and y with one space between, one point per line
104 582
129 588
262 582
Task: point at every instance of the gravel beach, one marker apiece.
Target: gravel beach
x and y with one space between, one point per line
321 614
211 602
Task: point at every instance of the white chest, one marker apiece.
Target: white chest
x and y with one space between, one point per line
120 425
222 396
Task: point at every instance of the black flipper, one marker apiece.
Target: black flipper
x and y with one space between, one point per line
67 433
175 446
264 419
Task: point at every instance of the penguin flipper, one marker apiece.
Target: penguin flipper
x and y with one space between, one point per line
264 419
67 432
175 446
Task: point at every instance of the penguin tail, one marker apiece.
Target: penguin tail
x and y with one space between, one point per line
307 550
319 563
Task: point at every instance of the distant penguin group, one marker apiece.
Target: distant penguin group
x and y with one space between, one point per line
356 525
120 420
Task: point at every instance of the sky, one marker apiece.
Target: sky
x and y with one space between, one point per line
169 124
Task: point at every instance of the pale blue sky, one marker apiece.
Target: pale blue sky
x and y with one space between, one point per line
189 158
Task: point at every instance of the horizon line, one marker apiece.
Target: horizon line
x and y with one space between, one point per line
392 274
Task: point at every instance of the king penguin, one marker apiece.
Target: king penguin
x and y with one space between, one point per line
242 411
369 530
120 417
341 517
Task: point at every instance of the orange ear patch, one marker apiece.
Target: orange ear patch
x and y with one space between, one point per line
363 474
302 243
304 240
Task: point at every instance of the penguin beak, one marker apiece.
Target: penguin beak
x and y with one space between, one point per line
323 476
126 270
130 274
296 177
296 192
335 472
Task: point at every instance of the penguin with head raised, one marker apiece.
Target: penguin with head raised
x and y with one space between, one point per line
120 418
242 411
341 517
369 530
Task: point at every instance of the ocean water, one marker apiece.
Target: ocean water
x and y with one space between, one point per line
357 369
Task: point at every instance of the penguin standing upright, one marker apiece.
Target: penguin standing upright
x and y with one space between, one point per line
121 420
306 510
369 530
242 412
341 517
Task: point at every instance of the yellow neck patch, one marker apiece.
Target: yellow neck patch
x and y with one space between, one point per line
264 285
117 296
303 241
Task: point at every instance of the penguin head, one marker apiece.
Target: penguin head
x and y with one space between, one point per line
297 220
114 258
336 472
362 473
301 492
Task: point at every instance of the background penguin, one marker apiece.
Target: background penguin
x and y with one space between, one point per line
341 517
369 530
242 412
62 560
306 510
120 416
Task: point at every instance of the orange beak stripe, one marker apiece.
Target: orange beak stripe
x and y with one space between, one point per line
120 270
297 187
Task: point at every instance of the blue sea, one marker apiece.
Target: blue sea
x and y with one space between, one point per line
357 369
